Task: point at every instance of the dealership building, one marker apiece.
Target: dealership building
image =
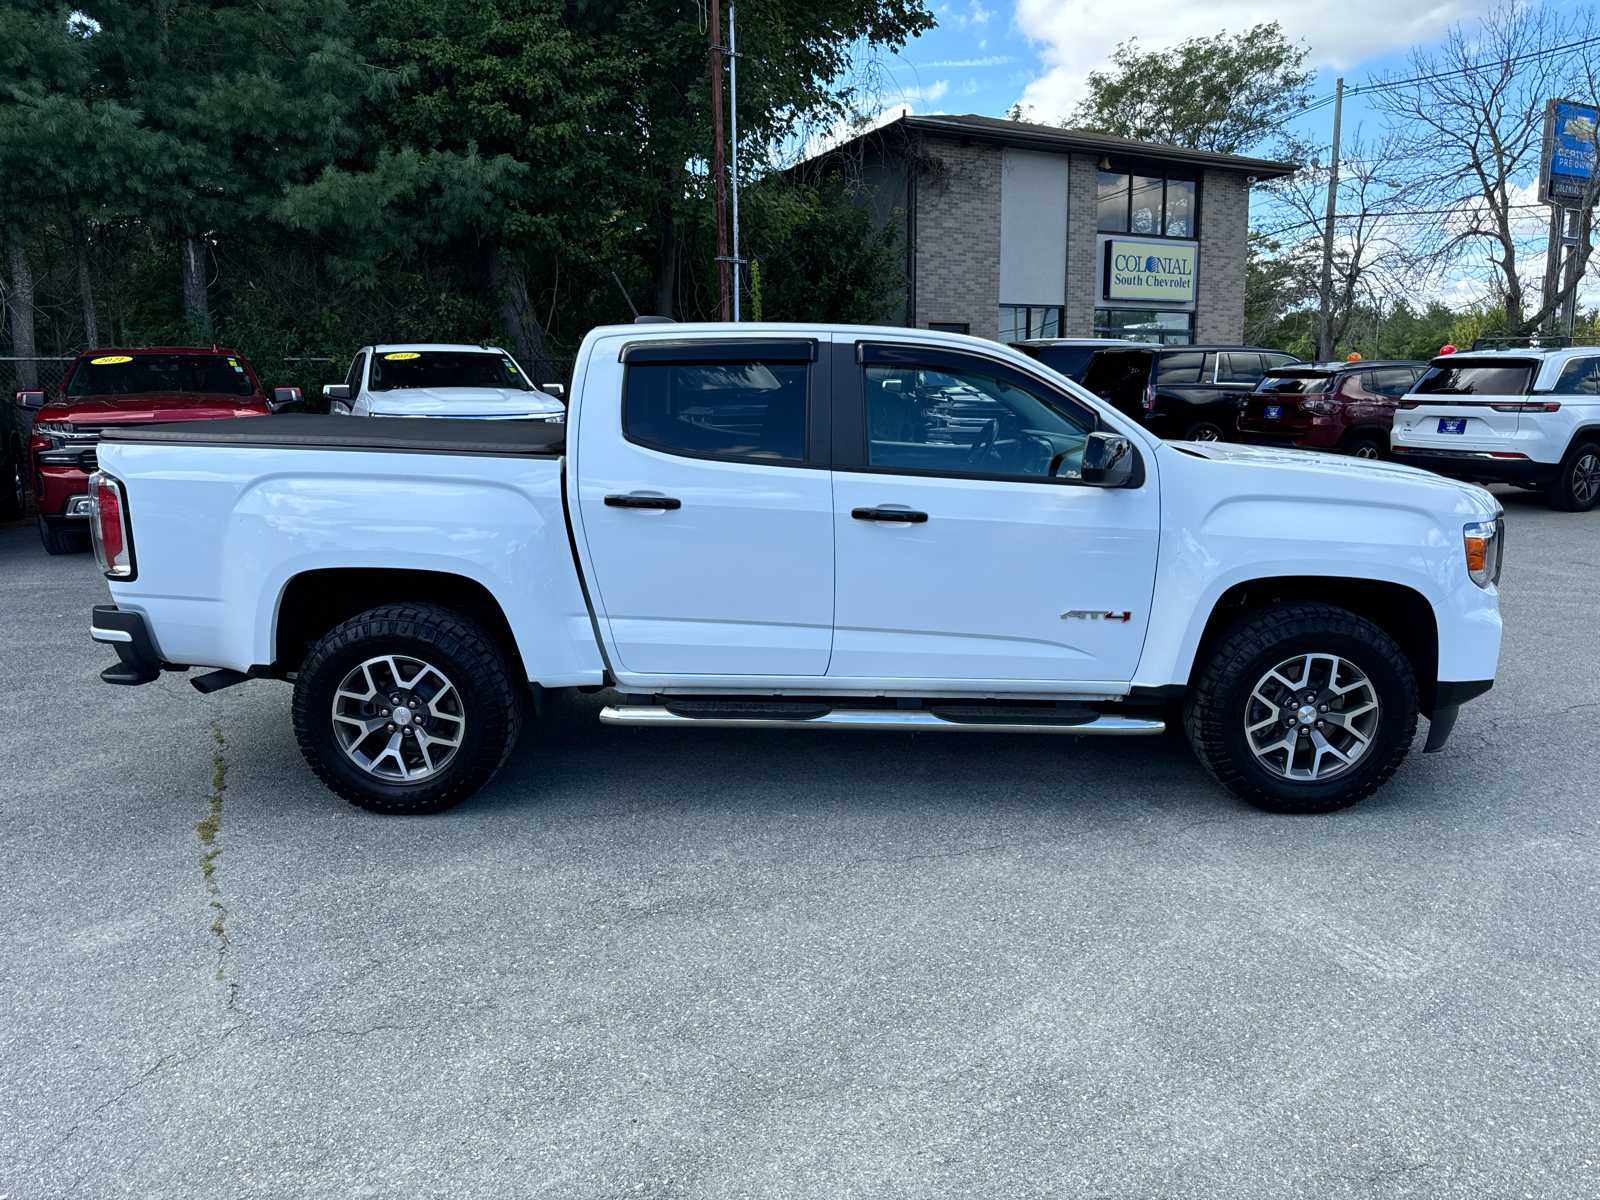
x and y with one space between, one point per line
1015 230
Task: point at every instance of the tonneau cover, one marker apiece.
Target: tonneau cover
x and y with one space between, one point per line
309 431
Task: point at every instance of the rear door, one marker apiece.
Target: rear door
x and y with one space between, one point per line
1466 404
967 548
706 505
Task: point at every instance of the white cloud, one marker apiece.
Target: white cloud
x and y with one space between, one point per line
930 94
996 60
1078 36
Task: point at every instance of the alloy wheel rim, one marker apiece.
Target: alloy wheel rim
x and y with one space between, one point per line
398 718
19 486
1366 451
1586 479
1207 433
1311 717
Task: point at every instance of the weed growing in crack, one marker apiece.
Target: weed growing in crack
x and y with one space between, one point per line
207 831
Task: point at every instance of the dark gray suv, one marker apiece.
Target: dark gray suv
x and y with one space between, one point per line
1187 393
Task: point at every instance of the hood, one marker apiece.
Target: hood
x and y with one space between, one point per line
462 402
138 409
1335 472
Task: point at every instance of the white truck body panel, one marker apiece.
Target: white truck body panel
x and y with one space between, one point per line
762 583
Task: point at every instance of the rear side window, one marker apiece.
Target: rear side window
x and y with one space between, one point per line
728 410
1580 377
1389 381
1179 368
1477 379
1069 360
1239 368
1296 385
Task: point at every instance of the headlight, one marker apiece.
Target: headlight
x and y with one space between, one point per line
1485 543
53 427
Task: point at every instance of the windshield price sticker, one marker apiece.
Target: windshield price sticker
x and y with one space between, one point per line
110 359
401 356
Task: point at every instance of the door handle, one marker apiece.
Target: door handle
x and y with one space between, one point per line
900 515
663 502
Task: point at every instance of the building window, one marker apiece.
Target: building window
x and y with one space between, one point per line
950 326
1136 325
1150 204
1019 322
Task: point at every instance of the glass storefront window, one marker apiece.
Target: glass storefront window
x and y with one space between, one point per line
1146 204
1180 208
1136 325
1113 202
1018 322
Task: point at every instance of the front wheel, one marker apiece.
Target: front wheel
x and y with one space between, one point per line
68 541
1576 487
1303 708
409 708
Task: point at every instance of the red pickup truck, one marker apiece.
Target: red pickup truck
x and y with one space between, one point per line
126 387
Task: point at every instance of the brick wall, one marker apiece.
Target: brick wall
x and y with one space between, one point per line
1224 235
958 237
1083 269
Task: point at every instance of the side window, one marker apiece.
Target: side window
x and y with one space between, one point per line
1274 361
1179 368
1239 368
734 410
965 422
1391 381
358 368
1578 378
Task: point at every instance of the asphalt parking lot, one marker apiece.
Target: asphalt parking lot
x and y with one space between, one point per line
646 963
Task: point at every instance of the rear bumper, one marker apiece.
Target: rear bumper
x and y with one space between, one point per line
126 632
1478 466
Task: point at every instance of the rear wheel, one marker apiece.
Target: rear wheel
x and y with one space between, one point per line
13 488
1203 431
1303 708
1367 447
409 708
62 541
1576 487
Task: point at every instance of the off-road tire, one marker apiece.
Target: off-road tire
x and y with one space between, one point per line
67 542
1574 489
1215 707
1204 431
473 661
1367 447
13 488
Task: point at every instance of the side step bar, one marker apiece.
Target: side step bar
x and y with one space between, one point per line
964 720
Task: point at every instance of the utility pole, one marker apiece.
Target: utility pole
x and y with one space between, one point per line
1325 317
733 123
719 169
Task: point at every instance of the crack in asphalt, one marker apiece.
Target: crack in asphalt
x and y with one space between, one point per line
206 830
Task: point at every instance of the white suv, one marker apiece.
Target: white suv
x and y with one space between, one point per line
1529 417
432 380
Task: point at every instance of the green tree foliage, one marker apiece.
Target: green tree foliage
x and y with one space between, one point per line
1209 93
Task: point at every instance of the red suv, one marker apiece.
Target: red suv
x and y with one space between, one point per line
126 387
1342 407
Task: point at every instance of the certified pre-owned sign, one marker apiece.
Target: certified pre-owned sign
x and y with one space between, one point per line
1150 271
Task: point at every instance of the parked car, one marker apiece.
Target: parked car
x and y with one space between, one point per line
426 380
110 388
1525 416
1189 393
15 425
801 527
1344 407
1070 356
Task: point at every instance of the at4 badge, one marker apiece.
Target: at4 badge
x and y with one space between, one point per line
1086 615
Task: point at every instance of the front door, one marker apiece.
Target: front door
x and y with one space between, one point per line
707 509
967 547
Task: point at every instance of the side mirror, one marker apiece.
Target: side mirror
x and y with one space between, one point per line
1107 460
284 397
32 401
336 391
554 389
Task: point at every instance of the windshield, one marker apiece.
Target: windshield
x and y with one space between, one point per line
395 369
1301 383
141 374
1069 360
1478 379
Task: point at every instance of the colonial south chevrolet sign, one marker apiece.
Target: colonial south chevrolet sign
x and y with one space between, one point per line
1150 270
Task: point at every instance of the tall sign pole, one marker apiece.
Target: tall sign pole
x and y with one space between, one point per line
1325 314
719 170
733 123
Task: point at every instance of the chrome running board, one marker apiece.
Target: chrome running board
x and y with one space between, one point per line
883 720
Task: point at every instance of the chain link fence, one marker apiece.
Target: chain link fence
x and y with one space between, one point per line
42 373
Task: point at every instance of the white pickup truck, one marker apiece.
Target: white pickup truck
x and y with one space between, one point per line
801 527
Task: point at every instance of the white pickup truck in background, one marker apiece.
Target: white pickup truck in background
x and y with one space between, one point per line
479 383
804 527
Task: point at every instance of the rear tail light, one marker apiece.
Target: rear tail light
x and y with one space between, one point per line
1322 407
1529 406
1484 541
1150 397
108 527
